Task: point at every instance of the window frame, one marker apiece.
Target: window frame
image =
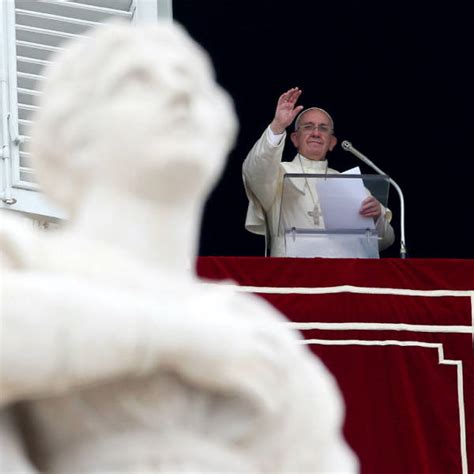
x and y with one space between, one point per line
18 194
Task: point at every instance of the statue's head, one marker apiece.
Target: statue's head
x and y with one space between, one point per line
136 109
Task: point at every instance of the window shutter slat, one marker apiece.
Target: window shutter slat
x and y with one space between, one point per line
35 30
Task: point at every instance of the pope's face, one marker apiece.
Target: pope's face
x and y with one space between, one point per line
314 137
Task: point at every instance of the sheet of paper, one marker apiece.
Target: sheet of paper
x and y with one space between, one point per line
340 201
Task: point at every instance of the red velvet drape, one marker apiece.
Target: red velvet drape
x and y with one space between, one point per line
397 335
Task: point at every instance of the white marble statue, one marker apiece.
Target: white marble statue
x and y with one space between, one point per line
114 356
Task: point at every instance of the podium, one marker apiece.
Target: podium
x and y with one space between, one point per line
319 215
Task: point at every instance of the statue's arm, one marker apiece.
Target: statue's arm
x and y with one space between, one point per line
61 332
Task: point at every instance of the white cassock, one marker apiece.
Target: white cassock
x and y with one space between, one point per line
263 173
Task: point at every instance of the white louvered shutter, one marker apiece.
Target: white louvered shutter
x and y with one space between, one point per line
31 31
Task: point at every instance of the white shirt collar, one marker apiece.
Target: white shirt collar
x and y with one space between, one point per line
313 166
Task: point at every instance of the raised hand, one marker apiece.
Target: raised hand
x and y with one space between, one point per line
286 110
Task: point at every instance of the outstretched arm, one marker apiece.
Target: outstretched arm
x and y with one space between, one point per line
261 168
61 333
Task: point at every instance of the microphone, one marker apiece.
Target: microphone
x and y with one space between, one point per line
347 146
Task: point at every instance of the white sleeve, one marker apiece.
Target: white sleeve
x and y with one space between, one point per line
384 229
273 138
261 168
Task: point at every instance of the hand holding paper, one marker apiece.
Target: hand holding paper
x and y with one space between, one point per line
370 208
341 200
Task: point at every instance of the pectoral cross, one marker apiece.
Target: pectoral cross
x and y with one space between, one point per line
315 214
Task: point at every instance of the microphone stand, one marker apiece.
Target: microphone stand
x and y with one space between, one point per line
347 146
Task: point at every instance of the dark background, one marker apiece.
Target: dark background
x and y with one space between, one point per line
397 79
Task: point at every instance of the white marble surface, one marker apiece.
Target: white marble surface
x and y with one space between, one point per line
114 356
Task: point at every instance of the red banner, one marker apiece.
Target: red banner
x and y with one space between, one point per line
398 337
